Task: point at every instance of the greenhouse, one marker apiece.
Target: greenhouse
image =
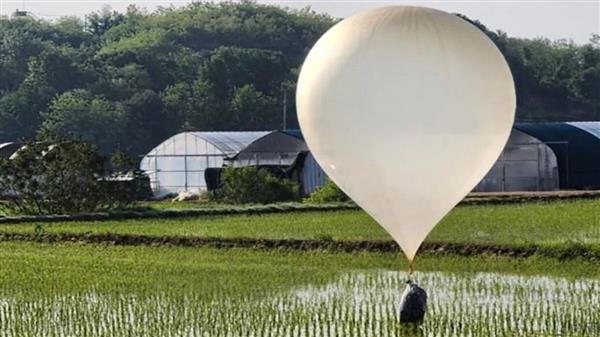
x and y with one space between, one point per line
525 164
537 157
9 148
277 149
546 157
311 175
178 164
185 161
577 149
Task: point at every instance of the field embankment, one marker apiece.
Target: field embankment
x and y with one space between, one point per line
560 251
561 229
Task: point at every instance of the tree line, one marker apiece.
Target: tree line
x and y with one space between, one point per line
126 81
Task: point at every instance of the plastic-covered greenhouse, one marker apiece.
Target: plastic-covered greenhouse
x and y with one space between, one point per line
8 149
547 156
180 162
537 157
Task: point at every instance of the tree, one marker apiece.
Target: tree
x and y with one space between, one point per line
236 89
186 68
101 21
58 178
153 49
218 66
120 83
590 83
257 110
197 106
21 111
70 30
25 38
148 123
77 114
231 67
62 68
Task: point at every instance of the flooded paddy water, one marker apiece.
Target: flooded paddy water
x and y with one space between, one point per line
360 303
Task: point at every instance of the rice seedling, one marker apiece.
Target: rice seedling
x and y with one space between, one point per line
354 304
542 223
90 291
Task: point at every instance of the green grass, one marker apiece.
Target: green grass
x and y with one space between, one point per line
168 204
343 225
74 267
89 291
541 223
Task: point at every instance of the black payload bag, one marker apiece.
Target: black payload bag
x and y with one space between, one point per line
413 304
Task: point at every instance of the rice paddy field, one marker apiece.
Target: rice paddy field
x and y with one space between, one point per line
543 223
81 289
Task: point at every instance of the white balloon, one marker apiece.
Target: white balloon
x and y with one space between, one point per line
406 109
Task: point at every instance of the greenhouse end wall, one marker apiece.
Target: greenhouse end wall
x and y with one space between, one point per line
526 164
178 164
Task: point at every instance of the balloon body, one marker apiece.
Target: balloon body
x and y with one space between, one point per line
406 109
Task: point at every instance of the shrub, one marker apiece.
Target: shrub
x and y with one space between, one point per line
244 185
329 192
59 178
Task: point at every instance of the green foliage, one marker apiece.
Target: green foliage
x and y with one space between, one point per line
120 83
555 80
120 162
245 185
196 106
58 178
147 122
63 68
217 66
590 82
221 292
253 108
101 21
79 114
329 192
21 111
551 287
139 77
235 89
560 227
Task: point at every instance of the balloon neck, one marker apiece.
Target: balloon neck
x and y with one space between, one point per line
411 270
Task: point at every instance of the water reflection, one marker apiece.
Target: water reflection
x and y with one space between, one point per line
362 304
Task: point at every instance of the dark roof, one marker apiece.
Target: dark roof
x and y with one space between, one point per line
8 149
577 151
294 133
575 144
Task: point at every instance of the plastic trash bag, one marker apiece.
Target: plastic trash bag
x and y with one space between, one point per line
413 304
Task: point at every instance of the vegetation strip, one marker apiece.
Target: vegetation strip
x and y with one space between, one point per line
477 199
516 197
562 252
179 213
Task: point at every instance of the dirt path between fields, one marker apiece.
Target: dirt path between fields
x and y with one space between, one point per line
562 252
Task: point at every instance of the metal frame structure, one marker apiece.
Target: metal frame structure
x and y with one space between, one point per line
526 164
